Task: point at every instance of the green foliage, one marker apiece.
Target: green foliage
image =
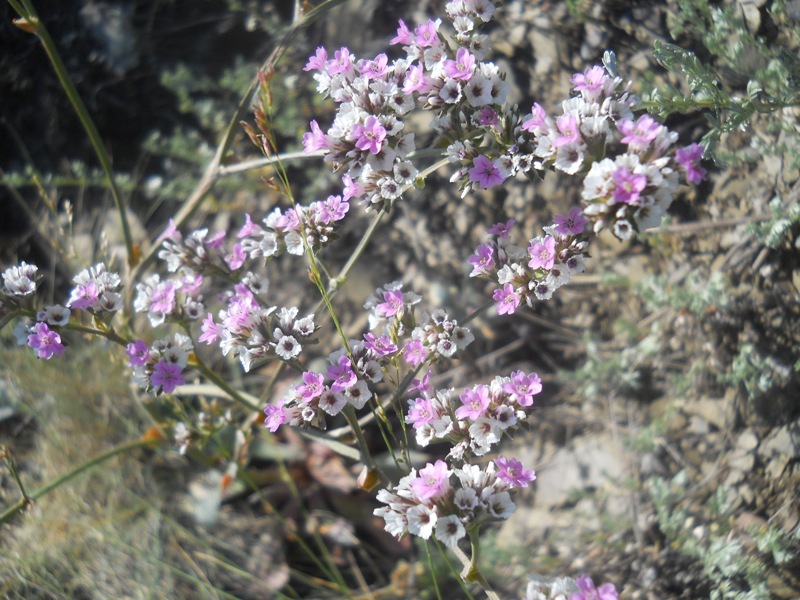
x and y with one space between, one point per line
776 232
734 571
757 372
697 292
746 76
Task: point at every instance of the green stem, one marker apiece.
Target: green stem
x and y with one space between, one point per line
26 501
222 384
471 572
26 10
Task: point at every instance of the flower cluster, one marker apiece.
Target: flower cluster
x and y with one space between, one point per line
534 273
95 292
437 337
253 332
159 367
450 503
480 418
564 588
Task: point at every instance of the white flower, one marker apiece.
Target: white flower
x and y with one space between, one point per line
500 505
421 520
287 347
358 395
449 530
332 402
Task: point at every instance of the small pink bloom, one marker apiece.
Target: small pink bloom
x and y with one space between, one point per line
513 472
433 481
369 136
572 224
629 186
315 139
507 299
45 341
474 402
542 252
138 353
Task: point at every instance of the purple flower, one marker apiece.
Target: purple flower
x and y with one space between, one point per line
45 341
513 472
84 296
421 385
629 186
341 63
537 122
572 224
543 253
425 34
333 209
474 402
138 353
382 346
485 172
502 229
236 258
689 160
507 299
167 376
591 81
370 136
342 374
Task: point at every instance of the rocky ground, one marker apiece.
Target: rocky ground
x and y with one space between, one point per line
667 442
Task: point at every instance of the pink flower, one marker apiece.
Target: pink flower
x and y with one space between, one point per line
689 160
462 67
312 386
317 62
370 136
543 253
167 376
373 69
249 228
421 385
341 63
482 261
573 224
138 353
342 374
45 341
420 412
404 35
629 186
485 172
590 81
275 416
211 331
315 140
392 304
513 472
607 591
568 128
474 402
507 299
416 81
236 258
425 34
414 352
638 135
382 346
523 387
502 229
333 209
537 122
433 481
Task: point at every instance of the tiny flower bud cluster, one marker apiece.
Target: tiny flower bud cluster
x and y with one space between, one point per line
159 368
480 417
177 299
432 503
346 381
252 332
535 273
438 337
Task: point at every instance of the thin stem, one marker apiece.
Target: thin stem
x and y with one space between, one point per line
34 25
223 385
26 501
471 572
